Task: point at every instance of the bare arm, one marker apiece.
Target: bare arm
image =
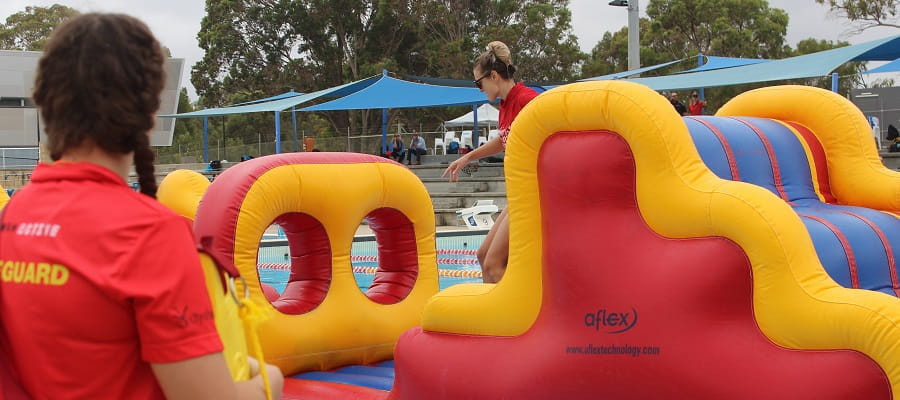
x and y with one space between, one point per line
490 148
207 377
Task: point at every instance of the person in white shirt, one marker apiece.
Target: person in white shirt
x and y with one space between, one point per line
416 148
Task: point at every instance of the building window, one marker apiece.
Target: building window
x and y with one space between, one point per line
15 102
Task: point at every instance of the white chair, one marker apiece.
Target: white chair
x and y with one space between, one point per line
466 139
438 142
450 136
482 140
493 133
479 215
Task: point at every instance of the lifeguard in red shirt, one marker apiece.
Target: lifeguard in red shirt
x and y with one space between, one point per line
101 291
696 105
493 72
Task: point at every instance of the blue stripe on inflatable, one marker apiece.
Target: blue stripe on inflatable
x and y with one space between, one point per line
386 364
793 165
868 252
830 251
872 262
752 158
367 370
710 148
749 152
374 382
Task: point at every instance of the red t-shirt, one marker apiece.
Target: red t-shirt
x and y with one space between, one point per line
696 108
98 281
515 100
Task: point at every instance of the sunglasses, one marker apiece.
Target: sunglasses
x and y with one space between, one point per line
477 82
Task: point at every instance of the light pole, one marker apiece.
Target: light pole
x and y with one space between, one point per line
634 43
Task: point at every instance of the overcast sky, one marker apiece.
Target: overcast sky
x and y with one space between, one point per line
176 22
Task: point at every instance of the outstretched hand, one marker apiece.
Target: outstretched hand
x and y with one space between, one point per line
453 169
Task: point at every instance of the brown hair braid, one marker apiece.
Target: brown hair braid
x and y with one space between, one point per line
100 80
496 58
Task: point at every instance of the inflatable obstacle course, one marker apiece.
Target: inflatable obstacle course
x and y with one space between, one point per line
744 256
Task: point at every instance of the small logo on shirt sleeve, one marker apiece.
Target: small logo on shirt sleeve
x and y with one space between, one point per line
185 317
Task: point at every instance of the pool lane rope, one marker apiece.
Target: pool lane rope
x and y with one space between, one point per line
451 273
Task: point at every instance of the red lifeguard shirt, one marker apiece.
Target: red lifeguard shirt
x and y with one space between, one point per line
515 100
98 281
696 108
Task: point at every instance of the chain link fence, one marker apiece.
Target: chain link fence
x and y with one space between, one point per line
367 144
16 165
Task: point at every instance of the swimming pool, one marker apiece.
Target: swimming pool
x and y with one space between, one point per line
455 255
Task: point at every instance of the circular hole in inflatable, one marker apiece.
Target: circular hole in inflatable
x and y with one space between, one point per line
307 260
398 261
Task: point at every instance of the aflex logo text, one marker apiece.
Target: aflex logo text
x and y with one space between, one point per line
611 321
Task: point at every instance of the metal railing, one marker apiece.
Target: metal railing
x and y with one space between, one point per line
367 144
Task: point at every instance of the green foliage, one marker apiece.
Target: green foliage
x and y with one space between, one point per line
681 29
849 72
30 29
610 54
866 13
539 35
269 46
731 28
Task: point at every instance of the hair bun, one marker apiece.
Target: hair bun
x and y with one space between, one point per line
501 51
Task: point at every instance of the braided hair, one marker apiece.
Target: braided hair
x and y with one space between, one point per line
99 81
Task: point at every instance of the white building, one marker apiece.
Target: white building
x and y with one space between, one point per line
21 130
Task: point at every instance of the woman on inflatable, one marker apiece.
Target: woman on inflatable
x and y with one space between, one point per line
493 72
102 295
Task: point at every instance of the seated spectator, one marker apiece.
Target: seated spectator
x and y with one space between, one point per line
416 148
893 136
395 149
453 147
214 165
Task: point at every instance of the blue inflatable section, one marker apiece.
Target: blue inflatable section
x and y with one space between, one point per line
367 371
380 376
856 245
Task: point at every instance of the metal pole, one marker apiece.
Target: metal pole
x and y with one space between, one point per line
277 132
634 50
294 124
224 143
205 139
475 133
834 82
384 128
702 91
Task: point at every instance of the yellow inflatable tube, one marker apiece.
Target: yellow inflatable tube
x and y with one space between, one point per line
181 191
322 319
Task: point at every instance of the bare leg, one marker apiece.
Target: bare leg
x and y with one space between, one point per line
496 250
486 243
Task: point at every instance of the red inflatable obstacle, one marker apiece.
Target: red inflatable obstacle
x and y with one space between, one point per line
625 312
